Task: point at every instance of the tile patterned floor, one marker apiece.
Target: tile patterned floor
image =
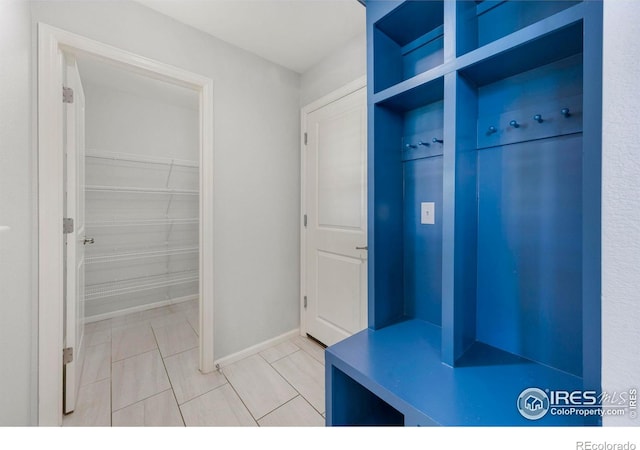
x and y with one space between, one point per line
142 370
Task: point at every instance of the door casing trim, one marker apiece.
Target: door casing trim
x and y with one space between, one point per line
51 43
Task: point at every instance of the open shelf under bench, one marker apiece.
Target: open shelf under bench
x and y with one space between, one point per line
397 377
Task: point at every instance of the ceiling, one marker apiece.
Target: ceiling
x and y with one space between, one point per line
296 34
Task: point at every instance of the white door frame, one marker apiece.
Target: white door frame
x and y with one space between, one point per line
52 41
345 90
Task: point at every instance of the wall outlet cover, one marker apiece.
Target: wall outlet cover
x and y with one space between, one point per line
427 213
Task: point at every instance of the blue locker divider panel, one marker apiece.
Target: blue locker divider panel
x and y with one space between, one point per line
530 250
423 242
385 271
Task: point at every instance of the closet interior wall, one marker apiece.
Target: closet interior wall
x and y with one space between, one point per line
142 186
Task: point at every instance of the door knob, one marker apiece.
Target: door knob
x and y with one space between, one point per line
366 247
89 241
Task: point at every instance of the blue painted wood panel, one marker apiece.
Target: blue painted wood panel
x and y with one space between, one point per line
591 193
423 243
460 256
385 214
412 19
387 61
532 88
408 41
491 20
520 237
542 50
363 408
423 58
401 365
530 250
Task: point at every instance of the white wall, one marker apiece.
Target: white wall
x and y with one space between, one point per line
256 197
621 201
16 210
344 65
119 121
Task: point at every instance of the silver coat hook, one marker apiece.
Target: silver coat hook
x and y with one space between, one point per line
426 144
411 146
492 130
565 112
514 124
538 118
440 141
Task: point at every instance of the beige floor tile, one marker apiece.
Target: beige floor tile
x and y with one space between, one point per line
187 381
175 338
311 347
97 337
151 315
259 386
193 317
97 364
161 410
306 375
218 408
131 340
100 325
168 319
127 320
93 408
279 351
137 378
141 394
296 413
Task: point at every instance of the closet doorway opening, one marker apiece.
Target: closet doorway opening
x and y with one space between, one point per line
125 186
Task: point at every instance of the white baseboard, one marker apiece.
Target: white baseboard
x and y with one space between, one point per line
145 307
234 357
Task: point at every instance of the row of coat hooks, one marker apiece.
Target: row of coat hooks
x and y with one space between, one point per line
425 144
566 113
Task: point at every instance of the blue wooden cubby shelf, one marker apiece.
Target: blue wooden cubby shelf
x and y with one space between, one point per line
492 111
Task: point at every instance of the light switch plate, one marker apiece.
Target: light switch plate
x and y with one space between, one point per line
428 213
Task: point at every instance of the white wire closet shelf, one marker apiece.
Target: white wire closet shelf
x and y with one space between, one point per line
150 252
142 222
140 190
128 157
143 213
133 285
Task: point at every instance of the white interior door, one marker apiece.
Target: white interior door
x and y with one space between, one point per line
336 208
75 240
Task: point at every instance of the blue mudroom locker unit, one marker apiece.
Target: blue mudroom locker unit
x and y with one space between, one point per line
484 215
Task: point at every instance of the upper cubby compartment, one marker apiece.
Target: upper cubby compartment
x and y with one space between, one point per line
482 22
408 41
555 45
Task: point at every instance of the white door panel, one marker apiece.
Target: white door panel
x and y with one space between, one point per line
336 202
339 282
75 245
340 170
